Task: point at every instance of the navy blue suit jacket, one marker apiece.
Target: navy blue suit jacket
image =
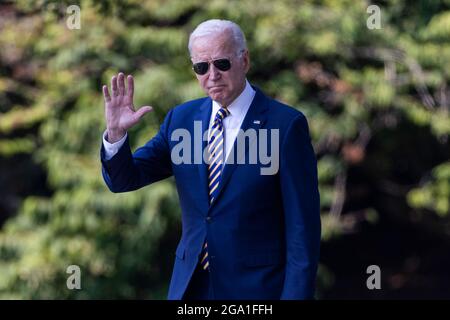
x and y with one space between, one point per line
263 231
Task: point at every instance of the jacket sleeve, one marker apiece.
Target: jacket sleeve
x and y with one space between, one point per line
150 163
301 201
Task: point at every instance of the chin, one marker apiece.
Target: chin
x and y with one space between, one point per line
219 97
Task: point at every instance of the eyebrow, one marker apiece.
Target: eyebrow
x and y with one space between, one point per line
228 56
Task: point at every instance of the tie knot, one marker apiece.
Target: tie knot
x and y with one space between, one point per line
222 113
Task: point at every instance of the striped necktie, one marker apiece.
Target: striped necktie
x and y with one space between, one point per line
216 159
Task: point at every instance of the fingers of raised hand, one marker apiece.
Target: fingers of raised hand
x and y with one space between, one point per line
121 83
130 86
114 89
118 88
106 94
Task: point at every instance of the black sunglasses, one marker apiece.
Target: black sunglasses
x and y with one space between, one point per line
201 68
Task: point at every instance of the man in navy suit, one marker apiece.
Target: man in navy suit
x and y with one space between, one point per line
249 231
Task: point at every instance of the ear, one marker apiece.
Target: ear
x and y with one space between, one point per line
246 60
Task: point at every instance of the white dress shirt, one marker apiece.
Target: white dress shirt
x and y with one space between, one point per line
231 124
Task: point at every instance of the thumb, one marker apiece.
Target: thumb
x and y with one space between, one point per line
142 111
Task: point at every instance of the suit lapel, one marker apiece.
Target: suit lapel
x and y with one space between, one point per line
204 115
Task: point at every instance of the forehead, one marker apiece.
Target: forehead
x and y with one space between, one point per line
212 46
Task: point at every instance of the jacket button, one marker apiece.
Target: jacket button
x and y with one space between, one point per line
208 219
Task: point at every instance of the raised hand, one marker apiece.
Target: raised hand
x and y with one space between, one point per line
119 108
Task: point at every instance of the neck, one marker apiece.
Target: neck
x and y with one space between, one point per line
232 98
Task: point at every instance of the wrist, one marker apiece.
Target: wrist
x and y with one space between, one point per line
113 136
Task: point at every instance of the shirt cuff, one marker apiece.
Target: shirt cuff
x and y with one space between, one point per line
112 148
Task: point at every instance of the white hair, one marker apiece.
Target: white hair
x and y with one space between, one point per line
215 26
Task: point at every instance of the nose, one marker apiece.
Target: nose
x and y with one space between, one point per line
214 73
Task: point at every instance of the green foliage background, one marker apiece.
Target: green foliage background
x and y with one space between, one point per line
377 102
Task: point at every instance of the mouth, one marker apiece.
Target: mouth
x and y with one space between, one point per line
216 87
